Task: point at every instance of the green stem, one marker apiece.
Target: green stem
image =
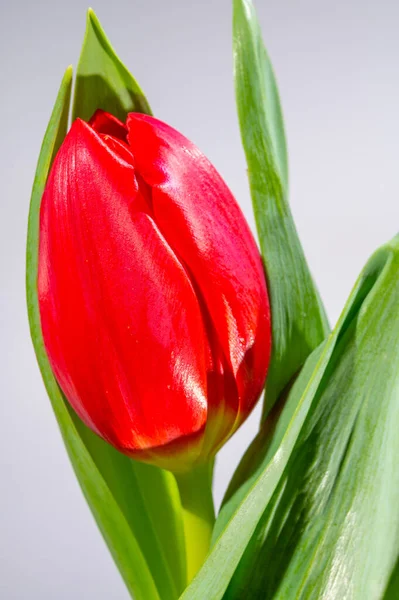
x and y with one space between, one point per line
195 489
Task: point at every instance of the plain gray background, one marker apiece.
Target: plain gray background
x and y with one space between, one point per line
338 69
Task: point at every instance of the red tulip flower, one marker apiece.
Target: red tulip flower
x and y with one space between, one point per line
152 296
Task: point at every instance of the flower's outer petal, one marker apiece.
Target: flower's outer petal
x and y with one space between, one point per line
120 319
202 222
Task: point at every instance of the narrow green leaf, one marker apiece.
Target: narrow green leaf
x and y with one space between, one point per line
145 535
102 80
296 330
323 511
299 323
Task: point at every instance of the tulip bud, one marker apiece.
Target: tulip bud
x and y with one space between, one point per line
153 301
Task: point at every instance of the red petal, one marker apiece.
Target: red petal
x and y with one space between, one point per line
121 322
118 147
202 222
104 122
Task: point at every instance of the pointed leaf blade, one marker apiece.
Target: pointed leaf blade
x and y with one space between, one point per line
299 323
102 80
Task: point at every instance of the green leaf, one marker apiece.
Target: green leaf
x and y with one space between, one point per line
102 80
298 319
321 520
299 323
331 529
137 507
392 591
265 445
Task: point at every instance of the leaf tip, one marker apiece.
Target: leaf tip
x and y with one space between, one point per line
91 15
93 24
67 78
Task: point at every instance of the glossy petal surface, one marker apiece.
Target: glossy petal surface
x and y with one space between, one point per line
114 300
204 225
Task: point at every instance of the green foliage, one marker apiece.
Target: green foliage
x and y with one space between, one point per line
299 323
321 519
331 529
265 445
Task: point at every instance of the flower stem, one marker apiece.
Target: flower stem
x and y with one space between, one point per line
195 489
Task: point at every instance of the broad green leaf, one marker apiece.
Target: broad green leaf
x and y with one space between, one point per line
137 507
102 80
299 323
321 520
331 529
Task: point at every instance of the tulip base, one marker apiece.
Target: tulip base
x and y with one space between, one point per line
195 489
